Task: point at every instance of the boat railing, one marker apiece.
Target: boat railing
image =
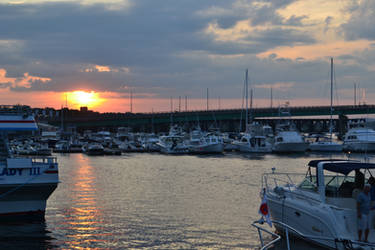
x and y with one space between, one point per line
257 224
278 178
347 243
287 181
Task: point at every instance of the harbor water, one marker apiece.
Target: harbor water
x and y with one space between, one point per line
153 201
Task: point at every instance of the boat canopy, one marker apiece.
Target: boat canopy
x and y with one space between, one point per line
341 166
15 122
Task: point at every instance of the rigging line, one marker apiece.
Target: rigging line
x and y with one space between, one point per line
242 107
335 85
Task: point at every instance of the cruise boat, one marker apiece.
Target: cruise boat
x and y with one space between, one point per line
359 140
25 183
321 207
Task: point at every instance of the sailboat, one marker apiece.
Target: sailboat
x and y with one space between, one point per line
253 140
325 144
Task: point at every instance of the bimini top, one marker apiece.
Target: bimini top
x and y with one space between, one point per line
17 123
341 166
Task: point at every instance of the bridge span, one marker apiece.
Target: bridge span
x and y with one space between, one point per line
307 118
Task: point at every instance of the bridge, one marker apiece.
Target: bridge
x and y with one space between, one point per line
226 119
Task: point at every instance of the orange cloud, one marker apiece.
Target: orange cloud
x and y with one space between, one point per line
24 81
319 50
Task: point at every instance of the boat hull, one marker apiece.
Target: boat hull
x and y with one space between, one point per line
246 148
326 147
290 147
306 220
360 146
207 149
18 200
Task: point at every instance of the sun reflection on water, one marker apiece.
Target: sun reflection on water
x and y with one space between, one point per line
83 218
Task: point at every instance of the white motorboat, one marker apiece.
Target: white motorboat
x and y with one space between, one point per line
359 140
325 144
172 144
254 140
61 146
289 142
321 208
287 138
201 143
250 143
25 183
93 149
149 142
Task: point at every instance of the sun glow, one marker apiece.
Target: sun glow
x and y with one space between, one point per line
82 98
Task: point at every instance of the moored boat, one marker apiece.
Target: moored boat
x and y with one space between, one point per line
322 207
25 183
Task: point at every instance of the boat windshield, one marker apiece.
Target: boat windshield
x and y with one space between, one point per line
336 185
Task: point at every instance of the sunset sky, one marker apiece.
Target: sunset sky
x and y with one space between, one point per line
93 52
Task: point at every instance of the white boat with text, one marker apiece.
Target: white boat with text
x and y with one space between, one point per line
25 183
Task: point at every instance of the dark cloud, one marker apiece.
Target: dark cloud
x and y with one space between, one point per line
163 44
362 21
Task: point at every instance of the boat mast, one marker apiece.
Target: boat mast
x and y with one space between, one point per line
331 109
355 94
247 102
271 97
207 99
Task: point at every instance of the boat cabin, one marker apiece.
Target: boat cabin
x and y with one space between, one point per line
337 182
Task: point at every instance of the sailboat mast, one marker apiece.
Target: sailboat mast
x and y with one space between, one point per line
271 98
355 94
331 109
247 100
207 99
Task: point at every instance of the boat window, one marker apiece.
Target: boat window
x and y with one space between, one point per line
279 139
333 184
340 186
309 183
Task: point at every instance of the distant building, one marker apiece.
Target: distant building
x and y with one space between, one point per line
83 109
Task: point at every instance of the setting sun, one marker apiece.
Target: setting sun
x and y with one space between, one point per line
82 98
